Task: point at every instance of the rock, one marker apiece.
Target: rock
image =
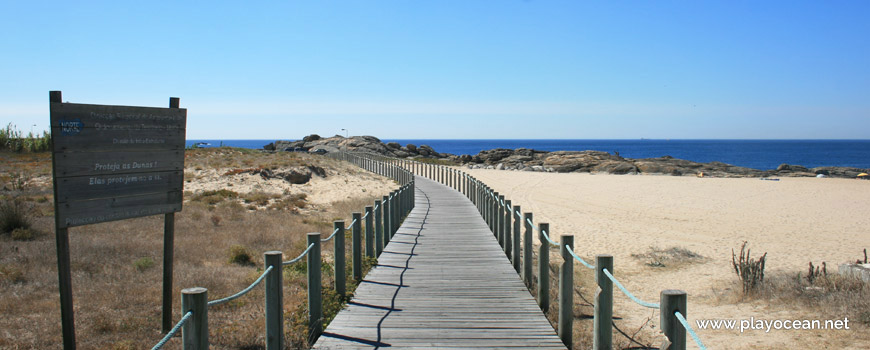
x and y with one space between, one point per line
312 137
500 166
493 156
427 151
537 168
394 145
411 148
295 175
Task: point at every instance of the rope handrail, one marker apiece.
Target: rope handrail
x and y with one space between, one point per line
285 263
327 239
350 224
690 330
571 251
243 292
628 294
365 216
173 331
518 214
543 233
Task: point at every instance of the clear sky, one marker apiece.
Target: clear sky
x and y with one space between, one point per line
451 69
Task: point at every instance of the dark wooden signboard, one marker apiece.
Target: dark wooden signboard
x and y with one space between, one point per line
116 162
112 163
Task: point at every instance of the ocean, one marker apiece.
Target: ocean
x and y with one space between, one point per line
757 154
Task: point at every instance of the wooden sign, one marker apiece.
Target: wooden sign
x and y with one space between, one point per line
116 162
112 163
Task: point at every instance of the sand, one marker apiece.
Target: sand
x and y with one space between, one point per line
343 181
794 220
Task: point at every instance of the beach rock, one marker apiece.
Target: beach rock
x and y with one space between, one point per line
427 151
411 148
312 137
394 145
500 166
537 168
295 175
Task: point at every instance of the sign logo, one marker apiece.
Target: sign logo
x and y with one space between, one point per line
71 127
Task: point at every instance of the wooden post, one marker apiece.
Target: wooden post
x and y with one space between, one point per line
527 249
499 220
387 225
339 258
370 232
379 229
67 318
194 333
566 291
516 252
673 301
508 249
357 246
544 268
168 252
394 208
315 304
603 317
274 301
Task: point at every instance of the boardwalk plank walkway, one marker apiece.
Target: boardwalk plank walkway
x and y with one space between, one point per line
442 282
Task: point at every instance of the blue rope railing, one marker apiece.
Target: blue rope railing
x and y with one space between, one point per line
628 294
243 292
172 332
690 330
294 260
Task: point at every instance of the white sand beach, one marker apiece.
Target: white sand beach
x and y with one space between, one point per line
794 220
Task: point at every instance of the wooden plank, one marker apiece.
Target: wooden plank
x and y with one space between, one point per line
114 140
106 186
101 163
72 117
77 213
444 282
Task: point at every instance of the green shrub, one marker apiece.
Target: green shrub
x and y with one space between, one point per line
14 215
240 255
143 264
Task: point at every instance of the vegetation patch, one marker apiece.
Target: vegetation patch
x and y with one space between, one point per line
143 264
215 196
14 215
750 271
241 255
670 257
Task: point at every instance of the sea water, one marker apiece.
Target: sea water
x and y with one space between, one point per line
757 154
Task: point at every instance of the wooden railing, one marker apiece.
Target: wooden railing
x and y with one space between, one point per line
382 219
505 219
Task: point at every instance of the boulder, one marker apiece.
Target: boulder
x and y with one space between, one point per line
394 145
411 148
500 166
312 137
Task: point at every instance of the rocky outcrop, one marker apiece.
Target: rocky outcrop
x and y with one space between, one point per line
603 162
295 175
356 143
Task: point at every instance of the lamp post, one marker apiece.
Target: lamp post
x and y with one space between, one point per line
346 136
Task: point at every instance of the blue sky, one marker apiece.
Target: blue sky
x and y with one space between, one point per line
452 69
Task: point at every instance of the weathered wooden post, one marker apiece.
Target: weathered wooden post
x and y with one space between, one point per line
357 246
527 249
566 291
394 208
673 301
516 251
499 220
387 225
194 333
603 317
544 267
274 300
315 304
370 232
339 259
379 229
508 248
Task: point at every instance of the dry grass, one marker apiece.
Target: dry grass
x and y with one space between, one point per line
117 266
673 257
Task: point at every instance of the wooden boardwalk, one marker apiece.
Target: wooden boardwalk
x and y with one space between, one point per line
442 282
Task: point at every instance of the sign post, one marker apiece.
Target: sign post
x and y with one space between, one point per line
113 163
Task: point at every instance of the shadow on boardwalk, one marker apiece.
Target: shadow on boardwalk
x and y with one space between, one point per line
442 281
